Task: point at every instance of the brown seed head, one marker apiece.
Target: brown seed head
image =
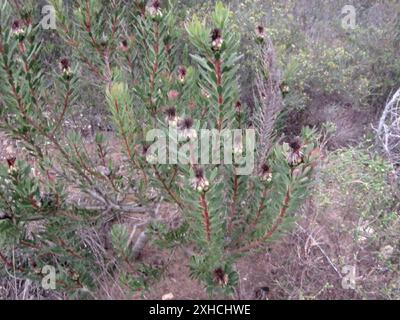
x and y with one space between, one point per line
186 123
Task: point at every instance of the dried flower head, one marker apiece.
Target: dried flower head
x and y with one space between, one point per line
145 149
11 161
155 9
220 277
65 64
170 112
260 30
200 183
17 28
284 88
156 4
171 116
295 156
182 72
295 145
265 173
65 67
186 129
216 40
12 167
260 33
199 173
186 123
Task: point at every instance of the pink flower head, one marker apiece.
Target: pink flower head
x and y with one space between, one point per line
173 95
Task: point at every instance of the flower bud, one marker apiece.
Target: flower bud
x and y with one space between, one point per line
124 46
182 72
18 30
216 40
12 167
266 174
260 33
173 95
155 10
295 155
200 183
171 117
186 129
220 277
65 67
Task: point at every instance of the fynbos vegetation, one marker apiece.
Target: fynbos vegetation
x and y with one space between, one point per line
200 154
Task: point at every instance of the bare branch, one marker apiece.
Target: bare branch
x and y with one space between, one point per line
269 98
388 131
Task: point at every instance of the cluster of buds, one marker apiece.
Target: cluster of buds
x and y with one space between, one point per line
182 72
186 129
65 67
200 183
220 277
260 33
266 174
173 95
216 40
155 10
18 30
171 117
295 156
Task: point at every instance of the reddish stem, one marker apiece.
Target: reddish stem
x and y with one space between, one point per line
274 227
167 188
261 207
206 216
65 107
